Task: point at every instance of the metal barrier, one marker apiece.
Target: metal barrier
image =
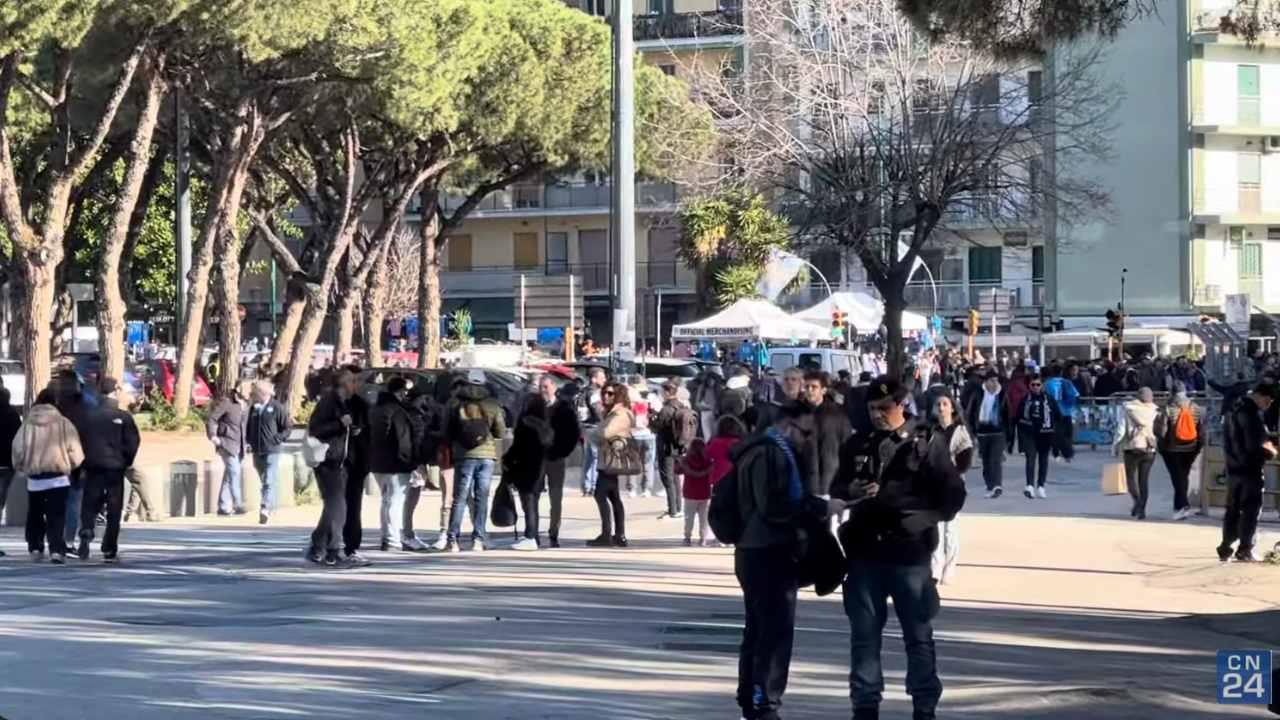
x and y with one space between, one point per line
1097 419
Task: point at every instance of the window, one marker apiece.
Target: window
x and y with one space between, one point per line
1250 172
810 361
1273 233
661 7
668 70
1037 264
1035 80
593 259
1035 168
1250 262
557 253
985 265
781 360
525 249
1249 91
1235 236
459 253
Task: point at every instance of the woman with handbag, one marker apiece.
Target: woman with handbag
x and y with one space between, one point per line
619 455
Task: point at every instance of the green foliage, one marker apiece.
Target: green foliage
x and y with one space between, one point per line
460 325
728 237
302 415
27 24
162 417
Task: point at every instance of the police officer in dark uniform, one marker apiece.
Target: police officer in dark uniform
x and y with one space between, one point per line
903 482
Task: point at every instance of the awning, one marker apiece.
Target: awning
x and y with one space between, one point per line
750 320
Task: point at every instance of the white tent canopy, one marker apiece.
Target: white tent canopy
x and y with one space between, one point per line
751 319
866 312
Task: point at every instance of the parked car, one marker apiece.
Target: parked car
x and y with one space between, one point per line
14 377
163 375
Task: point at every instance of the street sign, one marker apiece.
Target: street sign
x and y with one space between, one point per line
995 305
1235 310
80 292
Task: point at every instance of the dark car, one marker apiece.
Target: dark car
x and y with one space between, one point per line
507 388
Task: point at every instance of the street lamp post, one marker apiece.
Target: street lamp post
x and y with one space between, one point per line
1123 273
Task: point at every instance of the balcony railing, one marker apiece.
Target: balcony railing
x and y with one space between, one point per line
1207 296
579 196
503 279
674 26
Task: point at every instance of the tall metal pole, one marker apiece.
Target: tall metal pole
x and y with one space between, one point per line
624 178
182 211
1123 320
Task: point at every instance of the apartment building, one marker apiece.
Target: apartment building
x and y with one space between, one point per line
1235 163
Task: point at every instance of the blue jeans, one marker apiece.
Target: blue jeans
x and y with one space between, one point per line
393 487
915 601
471 479
268 467
230 497
589 464
72 520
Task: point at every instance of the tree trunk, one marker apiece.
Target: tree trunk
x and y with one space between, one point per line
111 301
229 317
35 314
375 311
293 310
429 293
224 206
314 314
346 326
894 305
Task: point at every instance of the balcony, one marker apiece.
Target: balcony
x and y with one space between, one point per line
1207 296
504 280
564 199
988 210
684 26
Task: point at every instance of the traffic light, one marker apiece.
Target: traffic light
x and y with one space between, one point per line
975 320
839 322
1115 323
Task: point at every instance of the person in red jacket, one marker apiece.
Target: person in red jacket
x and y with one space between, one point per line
703 469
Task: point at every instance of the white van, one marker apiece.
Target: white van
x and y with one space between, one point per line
830 360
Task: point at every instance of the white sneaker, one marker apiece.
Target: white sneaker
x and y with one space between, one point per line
1183 514
525 544
991 493
477 545
441 543
413 544
1030 492
452 547
1040 491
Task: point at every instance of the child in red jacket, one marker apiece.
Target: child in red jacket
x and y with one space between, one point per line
703 466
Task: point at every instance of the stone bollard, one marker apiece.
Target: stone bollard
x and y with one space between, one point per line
15 509
183 489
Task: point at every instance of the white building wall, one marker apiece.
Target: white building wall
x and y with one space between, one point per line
1271 183
1271 90
1015 271
1219 93
1221 192
1219 261
1270 271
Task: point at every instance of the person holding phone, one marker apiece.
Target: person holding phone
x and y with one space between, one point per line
1246 447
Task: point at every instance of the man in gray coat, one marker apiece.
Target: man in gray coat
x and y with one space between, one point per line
226 427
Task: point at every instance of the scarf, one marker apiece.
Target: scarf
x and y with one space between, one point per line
988 415
795 489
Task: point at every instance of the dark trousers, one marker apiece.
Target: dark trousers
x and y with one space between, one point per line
352 529
332 481
1179 466
102 488
769 583
1244 502
607 494
46 518
1137 475
991 447
529 506
667 474
915 602
1064 438
554 479
1036 447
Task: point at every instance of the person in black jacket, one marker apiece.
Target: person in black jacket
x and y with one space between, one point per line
1246 447
10 422
665 430
855 404
357 472
988 414
392 458
266 430
226 429
831 429
110 446
75 406
336 421
1038 418
522 465
426 416
566 431
906 484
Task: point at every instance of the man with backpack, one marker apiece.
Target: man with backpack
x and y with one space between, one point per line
474 425
676 425
763 508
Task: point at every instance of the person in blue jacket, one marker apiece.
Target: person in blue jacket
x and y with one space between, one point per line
1059 385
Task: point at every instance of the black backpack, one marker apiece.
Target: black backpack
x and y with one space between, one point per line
472 431
684 428
724 514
